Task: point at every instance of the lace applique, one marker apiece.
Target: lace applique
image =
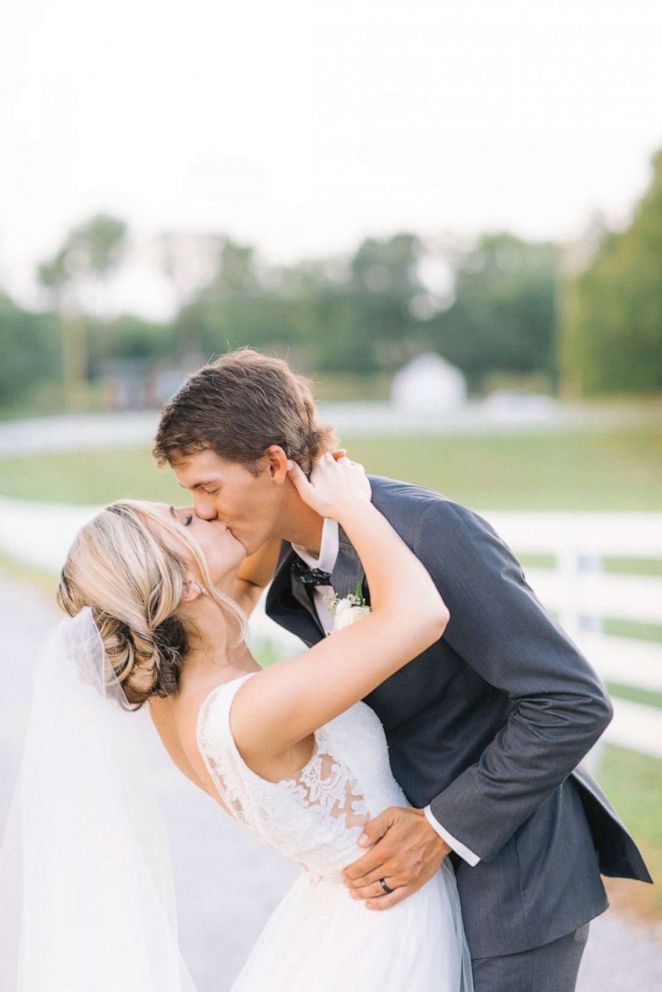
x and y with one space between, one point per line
221 756
315 817
327 785
228 794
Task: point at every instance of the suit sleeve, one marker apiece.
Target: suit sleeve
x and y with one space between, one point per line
559 707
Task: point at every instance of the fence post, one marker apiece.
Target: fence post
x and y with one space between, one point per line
589 567
568 570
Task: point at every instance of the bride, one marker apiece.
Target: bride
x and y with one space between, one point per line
159 600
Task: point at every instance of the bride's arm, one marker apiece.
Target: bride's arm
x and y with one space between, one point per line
255 574
285 703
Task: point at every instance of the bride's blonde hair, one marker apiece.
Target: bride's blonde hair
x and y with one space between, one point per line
134 585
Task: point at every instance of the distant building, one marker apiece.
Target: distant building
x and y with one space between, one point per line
127 383
428 382
142 383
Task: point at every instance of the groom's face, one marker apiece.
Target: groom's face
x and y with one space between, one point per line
249 505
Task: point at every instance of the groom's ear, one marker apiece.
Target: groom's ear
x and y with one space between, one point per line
276 463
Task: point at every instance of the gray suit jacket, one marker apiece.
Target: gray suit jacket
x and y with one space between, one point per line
488 726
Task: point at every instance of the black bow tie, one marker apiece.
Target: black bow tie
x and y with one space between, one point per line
309 576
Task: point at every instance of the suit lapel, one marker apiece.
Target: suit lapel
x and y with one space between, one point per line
348 571
290 604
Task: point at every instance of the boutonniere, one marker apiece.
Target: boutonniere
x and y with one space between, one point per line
347 610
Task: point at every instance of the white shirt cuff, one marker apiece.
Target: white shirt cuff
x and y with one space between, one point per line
456 845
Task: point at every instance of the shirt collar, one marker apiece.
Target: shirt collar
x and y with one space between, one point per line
329 548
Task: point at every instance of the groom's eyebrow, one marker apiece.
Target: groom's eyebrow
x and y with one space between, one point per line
199 485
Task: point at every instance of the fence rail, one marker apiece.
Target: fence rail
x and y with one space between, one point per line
576 588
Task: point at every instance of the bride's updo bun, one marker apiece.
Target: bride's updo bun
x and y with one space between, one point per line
134 584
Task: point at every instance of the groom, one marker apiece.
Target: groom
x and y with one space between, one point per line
486 728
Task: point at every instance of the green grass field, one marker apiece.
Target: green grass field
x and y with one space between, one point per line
633 783
635 695
588 470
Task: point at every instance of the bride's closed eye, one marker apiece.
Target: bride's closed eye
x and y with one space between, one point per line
185 519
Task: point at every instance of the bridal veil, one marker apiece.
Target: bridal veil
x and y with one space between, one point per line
86 890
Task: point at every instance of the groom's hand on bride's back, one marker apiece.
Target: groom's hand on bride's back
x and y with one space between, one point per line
406 853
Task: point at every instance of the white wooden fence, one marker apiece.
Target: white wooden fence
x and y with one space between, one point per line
576 589
583 595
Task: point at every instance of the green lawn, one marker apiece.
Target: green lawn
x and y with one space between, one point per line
635 695
633 628
633 782
619 470
587 470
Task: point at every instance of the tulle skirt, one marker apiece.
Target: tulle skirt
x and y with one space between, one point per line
319 939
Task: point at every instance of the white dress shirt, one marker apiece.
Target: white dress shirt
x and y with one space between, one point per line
328 555
329 547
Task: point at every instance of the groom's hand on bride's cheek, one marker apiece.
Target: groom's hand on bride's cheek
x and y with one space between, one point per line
407 852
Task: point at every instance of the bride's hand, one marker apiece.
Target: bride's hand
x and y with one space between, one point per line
336 485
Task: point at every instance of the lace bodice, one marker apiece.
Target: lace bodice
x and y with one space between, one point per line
315 818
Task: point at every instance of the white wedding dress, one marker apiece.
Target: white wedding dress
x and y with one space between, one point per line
319 939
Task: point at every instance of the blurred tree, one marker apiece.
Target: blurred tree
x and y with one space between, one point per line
371 311
89 253
385 280
486 307
129 337
190 261
354 314
612 325
29 353
503 315
244 304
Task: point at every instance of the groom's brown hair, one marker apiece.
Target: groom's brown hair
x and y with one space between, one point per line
237 406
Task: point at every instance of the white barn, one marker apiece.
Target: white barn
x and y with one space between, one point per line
428 382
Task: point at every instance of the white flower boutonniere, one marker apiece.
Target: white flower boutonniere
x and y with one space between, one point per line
347 610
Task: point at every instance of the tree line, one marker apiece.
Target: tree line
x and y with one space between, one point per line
501 305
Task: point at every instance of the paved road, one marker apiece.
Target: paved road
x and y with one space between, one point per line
82 432
226 884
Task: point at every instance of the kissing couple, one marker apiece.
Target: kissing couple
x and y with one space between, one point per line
419 758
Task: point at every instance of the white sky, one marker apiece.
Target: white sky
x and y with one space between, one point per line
302 126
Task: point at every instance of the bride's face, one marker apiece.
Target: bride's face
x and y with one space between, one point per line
222 551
